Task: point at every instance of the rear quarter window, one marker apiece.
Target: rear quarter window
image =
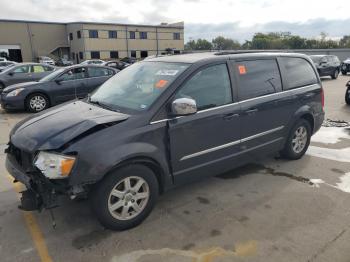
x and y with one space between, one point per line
258 78
297 72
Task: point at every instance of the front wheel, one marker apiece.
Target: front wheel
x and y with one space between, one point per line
298 140
126 197
335 74
37 102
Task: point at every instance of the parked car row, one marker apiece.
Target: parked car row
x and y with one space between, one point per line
54 86
5 64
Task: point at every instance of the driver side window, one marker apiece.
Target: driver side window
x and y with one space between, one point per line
209 87
74 74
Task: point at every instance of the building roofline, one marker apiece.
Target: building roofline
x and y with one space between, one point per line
90 23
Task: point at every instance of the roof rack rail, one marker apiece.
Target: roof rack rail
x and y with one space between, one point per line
249 51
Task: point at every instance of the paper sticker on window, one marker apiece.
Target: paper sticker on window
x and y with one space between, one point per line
161 83
242 70
167 72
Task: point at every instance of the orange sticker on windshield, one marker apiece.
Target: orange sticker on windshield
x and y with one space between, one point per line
161 83
242 70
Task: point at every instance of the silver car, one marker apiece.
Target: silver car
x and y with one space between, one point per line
25 72
5 64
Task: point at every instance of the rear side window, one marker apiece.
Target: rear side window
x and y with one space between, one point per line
297 72
37 69
258 78
209 87
98 72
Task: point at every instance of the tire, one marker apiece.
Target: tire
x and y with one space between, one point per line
291 149
347 97
335 74
344 73
37 102
116 211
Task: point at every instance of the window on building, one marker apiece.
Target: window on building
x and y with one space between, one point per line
258 78
81 55
79 34
114 54
95 54
176 36
70 36
132 35
210 87
298 72
143 35
112 34
93 33
144 54
133 54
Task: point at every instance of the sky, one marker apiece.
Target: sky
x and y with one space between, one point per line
237 19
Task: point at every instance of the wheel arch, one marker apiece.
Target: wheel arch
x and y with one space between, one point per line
303 113
146 161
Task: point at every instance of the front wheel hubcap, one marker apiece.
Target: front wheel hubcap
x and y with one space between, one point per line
128 198
37 103
299 139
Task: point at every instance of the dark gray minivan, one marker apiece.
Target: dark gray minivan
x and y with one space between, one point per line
164 122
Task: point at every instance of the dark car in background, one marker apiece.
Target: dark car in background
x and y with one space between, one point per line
6 64
129 60
60 86
164 122
345 66
24 72
327 65
63 62
120 65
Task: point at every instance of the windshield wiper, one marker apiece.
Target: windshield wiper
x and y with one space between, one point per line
102 105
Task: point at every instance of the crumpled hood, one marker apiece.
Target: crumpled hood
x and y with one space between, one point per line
55 127
20 85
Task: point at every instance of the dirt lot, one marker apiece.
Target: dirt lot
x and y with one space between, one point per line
274 210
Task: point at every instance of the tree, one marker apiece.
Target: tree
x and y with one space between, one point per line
190 45
203 44
222 43
345 41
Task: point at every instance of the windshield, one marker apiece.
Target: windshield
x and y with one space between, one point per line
52 76
138 86
318 59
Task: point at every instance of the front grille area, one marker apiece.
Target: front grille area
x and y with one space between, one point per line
22 158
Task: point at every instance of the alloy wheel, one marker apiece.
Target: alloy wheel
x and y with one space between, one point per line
299 139
128 198
37 103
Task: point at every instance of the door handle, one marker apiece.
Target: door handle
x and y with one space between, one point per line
230 116
251 111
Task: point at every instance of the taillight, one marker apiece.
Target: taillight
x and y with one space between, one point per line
322 97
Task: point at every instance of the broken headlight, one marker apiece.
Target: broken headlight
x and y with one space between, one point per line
53 165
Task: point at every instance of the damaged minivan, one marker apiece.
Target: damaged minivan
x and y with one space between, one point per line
164 122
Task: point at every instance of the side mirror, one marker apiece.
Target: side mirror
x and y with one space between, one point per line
11 74
183 107
58 81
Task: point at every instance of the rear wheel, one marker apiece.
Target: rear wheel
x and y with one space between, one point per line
125 198
298 140
37 102
343 72
335 74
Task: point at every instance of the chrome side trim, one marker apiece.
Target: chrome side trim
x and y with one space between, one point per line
209 150
261 134
240 102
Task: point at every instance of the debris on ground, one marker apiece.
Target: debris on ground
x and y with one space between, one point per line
335 123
